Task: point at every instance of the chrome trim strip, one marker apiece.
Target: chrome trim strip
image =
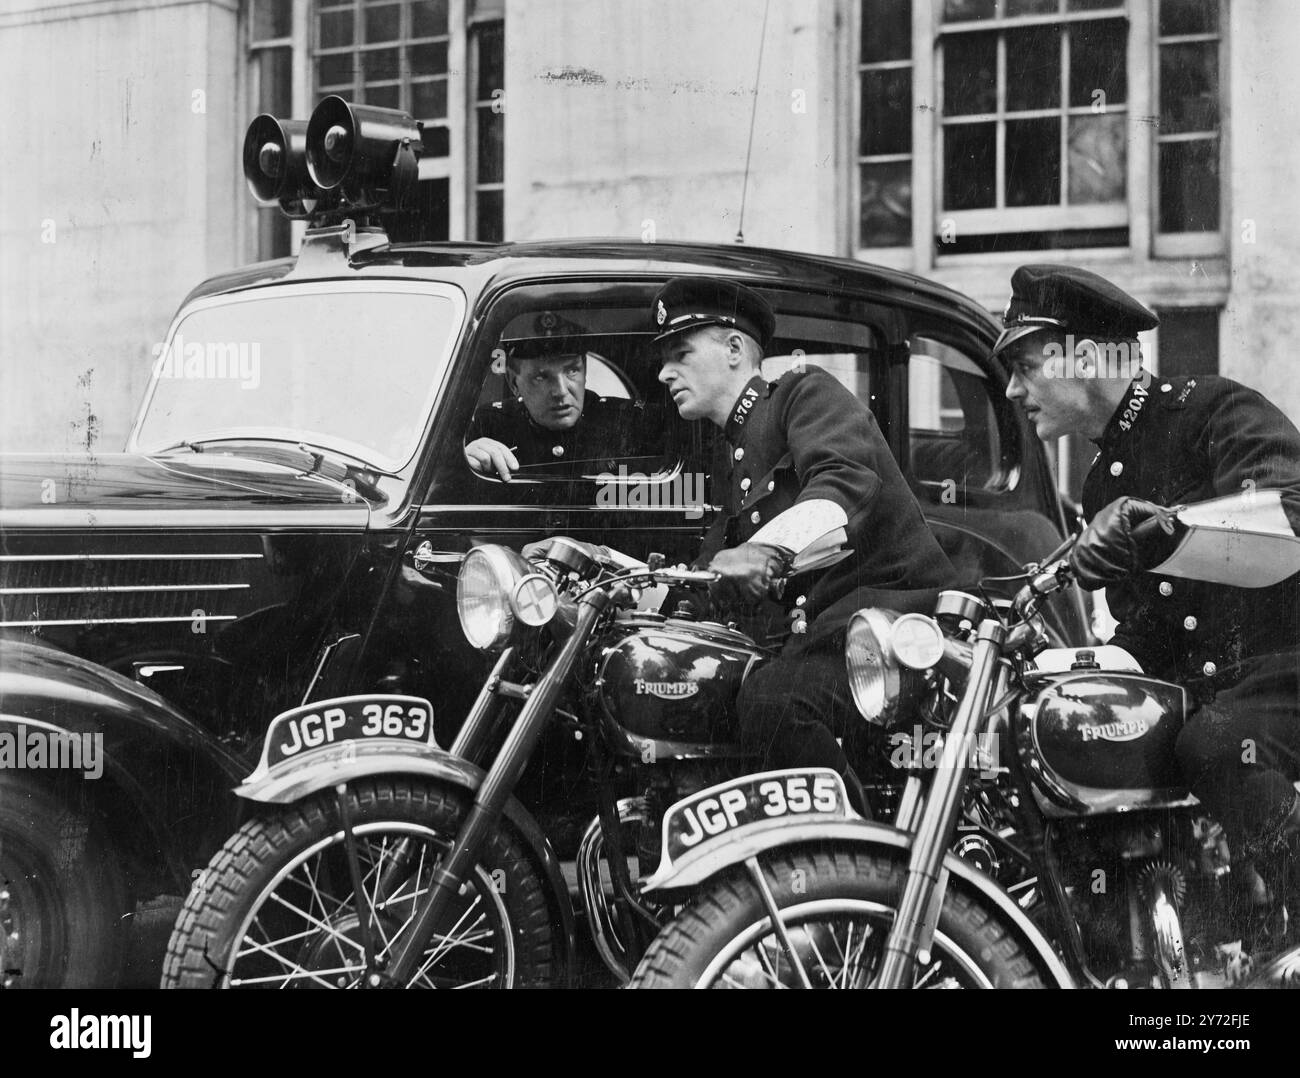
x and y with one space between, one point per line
113 621
121 588
125 557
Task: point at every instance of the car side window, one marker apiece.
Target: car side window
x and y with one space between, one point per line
954 439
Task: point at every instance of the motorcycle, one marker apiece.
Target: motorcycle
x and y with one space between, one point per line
1095 866
378 858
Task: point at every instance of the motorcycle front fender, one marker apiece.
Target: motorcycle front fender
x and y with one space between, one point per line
750 840
328 767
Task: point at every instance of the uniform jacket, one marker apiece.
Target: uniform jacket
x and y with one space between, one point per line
608 429
1174 441
806 437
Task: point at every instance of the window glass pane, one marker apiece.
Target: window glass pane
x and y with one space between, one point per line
1033 68
275 81
272 233
886 30
970 73
379 64
491 157
1188 341
429 18
969 174
383 23
1098 61
429 219
272 18
436 139
886 111
1033 165
886 205
386 97
963 10
336 29
1097 158
1032 7
489 216
1092 5
335 70
1189 186
429 100
1189 17
428 59
491 59
1189 87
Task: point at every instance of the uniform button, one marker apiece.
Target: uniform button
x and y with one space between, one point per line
801 600
557 450
739 454
744 483
754 517
1166 388
771 484
1166 588
1189 622
1116 468
1209 669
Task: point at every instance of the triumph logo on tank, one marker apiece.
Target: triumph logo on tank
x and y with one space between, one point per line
666 690
1127 730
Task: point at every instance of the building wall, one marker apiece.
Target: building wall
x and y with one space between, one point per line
117 196
627 118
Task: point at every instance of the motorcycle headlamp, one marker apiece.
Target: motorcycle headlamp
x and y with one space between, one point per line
873 667
495 590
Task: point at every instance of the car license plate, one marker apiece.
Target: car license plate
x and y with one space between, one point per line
350 718
725 808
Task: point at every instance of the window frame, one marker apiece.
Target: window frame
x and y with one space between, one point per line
458 166
1142 196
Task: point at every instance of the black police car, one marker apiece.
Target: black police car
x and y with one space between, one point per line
288 516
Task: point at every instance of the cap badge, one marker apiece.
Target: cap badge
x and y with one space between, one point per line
661 313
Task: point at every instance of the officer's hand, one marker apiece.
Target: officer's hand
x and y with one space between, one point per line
747 572
1111 549
487 455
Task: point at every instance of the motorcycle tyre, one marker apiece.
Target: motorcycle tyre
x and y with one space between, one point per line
239 872
684 949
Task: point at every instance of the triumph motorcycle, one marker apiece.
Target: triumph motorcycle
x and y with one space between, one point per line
1093 867
377 858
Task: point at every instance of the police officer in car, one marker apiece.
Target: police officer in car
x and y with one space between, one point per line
550 419
1070 347
799 458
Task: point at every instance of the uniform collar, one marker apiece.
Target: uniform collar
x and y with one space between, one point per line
755 389
1127 412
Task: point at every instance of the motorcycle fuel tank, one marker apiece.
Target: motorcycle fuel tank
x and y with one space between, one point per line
1103 742
670 686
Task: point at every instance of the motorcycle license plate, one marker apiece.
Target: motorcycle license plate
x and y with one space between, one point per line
350 718
729 806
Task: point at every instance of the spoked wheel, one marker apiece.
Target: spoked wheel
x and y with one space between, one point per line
276 907
835 909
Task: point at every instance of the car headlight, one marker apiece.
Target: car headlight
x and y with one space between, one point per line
873 667
496 590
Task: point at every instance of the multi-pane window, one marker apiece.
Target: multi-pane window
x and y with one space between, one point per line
391 54
442 61
1034 110
885 125
1188 139
1037 124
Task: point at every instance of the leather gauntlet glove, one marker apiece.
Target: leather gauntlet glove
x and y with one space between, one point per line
1112 549
747 572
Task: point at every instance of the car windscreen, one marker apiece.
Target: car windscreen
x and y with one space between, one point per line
352 369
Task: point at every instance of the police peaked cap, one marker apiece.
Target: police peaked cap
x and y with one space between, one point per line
1073 300
549 335
690 302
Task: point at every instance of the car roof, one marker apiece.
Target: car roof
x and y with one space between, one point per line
478 266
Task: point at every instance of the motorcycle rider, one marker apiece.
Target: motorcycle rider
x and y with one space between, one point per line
799 457
1070 347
